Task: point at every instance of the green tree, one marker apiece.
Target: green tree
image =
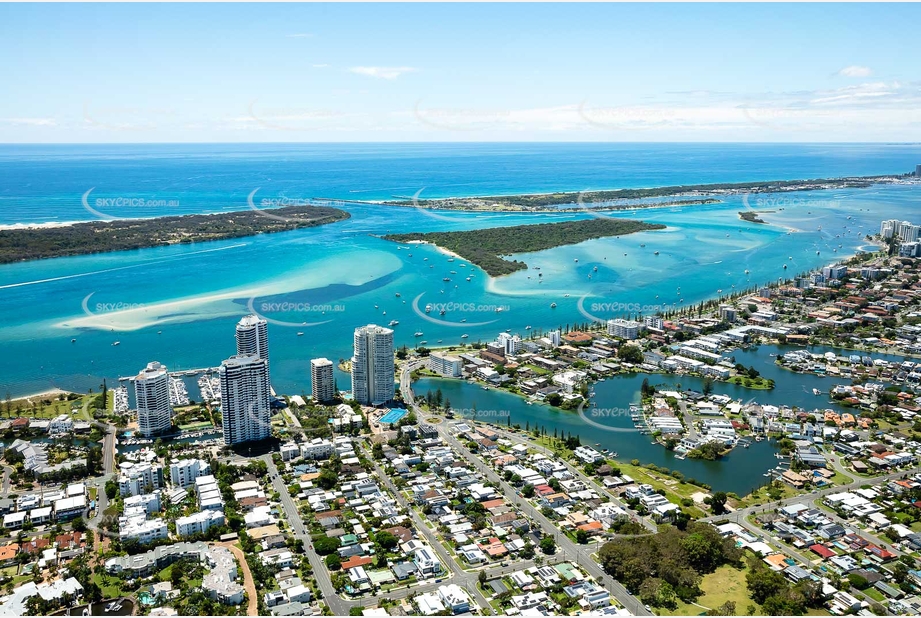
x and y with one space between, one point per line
547 545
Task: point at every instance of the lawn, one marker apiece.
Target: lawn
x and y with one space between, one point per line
111 590
196 426
675 490
727 583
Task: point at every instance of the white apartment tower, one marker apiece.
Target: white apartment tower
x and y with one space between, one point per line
253 337
245 399
372 365
322 382
151 392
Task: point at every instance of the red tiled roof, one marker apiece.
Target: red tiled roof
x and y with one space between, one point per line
822 551
356 561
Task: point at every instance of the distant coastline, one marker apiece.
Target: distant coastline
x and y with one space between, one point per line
627 199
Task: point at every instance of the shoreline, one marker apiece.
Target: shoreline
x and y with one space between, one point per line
693 191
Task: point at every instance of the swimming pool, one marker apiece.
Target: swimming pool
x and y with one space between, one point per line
393 416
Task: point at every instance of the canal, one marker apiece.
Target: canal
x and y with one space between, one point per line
607 423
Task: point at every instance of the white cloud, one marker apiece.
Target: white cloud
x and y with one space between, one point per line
382 72
855 71
32 122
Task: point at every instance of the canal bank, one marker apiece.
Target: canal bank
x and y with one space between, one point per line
741 471
607 422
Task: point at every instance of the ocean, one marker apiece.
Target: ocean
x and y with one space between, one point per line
179 304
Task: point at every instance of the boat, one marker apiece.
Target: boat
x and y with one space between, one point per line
565 295
468 278
393 322
116 343
553 305
464 336
428 308
528 327
656 253
464 320
453 272
418 333
383 313
450 259
816 391
300 334
446 279
576 260
595 269
498 309
423 342
398 294
439 341
73 341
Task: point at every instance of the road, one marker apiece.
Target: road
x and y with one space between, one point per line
816 495
580 554
337 605
462 578
340 606
579 474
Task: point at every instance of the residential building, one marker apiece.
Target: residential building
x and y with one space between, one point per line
183 473
624 329
253 337
245 399
322 381
198 523
151 392
372 365
446 364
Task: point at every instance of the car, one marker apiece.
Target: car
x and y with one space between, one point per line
648 609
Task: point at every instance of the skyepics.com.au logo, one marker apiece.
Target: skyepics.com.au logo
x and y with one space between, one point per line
462 119
127 206
618 308
774 202
475 413
596 417
291 308
295 119
100 308
437 313
267 205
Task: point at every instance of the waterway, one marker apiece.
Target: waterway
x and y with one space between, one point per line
178 304
607 423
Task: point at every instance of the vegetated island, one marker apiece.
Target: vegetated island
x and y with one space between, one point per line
19 245
752 216
486 247
625 199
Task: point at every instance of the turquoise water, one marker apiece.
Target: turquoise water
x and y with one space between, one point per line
179 304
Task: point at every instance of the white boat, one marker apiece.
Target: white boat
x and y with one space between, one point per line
116 343
468 278
300 334
816 391
464 336
418 333
553 305
393 322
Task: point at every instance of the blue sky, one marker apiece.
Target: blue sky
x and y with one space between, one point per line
469 72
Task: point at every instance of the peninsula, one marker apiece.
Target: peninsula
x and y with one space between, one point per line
486 247
20 245
627 199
